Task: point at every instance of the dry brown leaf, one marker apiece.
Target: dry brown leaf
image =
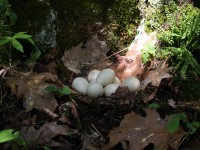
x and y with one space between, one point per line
131 63
155 76
31 87
44 135
139 131
39 98
85 54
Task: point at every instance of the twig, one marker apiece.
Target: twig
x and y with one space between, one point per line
110 56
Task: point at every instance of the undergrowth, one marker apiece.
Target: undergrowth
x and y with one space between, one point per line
178 28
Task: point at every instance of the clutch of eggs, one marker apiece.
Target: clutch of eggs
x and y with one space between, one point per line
99 83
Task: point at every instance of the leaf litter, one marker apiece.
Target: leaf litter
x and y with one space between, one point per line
31 87
140 131
62 118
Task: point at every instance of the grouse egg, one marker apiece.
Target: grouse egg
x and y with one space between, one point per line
132 83
95 89
93 75
106 77
116 80
110 88
80 84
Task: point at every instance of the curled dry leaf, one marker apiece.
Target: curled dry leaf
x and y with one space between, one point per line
86 54
139 131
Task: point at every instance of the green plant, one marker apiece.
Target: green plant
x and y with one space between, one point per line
153 106
8 19
8 135
148 52
60 91
178 34
174 123
124 12
14 42
124 18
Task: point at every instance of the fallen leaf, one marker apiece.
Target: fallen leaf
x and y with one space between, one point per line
139 131
39 98
131 63
31 87
155 76
44 135
86 54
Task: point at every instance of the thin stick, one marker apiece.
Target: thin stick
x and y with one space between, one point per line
110 56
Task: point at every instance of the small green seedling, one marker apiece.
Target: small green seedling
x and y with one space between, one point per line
60 91
14 42
153 106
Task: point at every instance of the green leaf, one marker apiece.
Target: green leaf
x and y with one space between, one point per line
13 18
8 135
22 35
9 38
4 41
153 106
182 116
173 125
31 41
17 45
52 88
148 51
35 54
193 126
66 90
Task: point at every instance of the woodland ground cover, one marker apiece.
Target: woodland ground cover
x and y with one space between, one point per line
40 110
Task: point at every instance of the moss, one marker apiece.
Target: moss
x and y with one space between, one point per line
79 20
124 18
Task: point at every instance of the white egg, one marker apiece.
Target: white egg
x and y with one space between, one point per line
110 88
132 83
80 84
106 77
95 89
116 80
92 75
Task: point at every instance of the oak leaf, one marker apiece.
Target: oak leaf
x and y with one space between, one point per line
86 54
139 131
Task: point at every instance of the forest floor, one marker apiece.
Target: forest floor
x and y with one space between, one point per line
162 114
